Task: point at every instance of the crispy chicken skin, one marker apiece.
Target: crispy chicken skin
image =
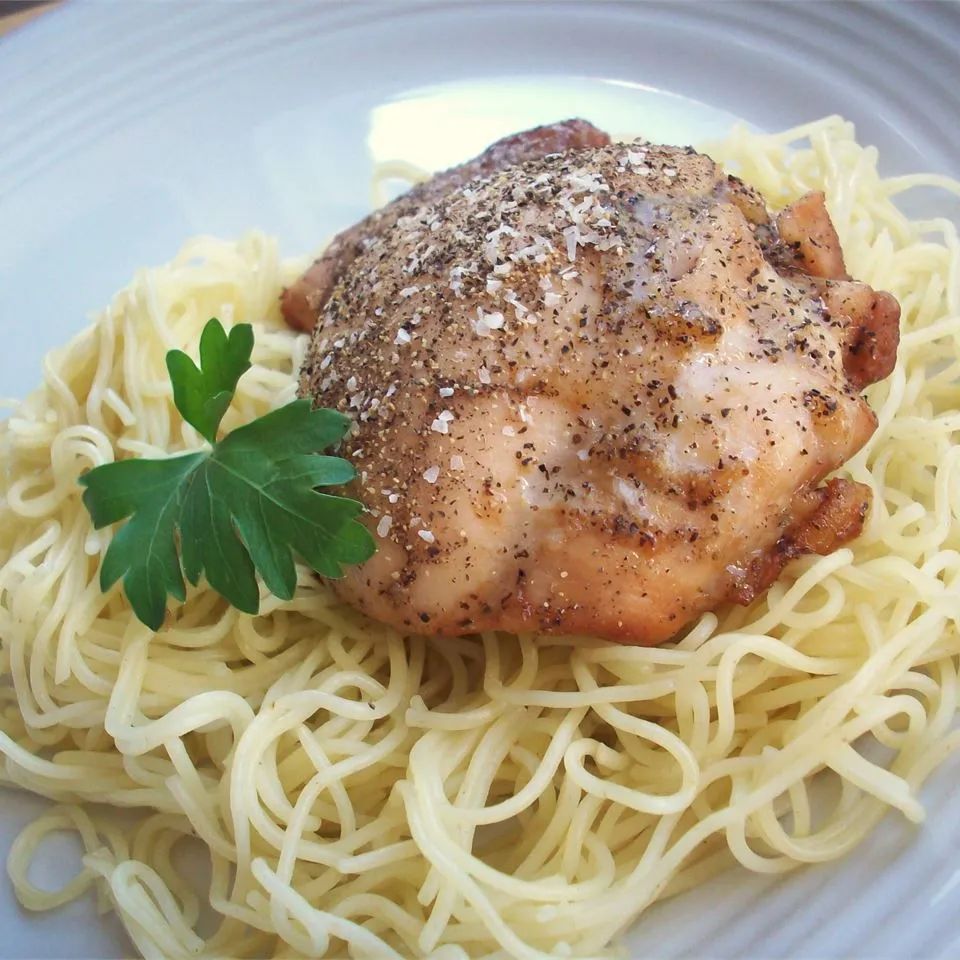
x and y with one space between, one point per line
594 392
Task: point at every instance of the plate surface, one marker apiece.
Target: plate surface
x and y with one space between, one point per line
124 128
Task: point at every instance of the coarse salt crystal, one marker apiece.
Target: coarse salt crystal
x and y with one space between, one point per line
509 432
391 390
326 361
383 527
484 374
440 426
583 454
493 285
431 474
446 391
446 415
426 535
551 299
486 322
393 498
456 462
352 383
402 336
585 180
409 291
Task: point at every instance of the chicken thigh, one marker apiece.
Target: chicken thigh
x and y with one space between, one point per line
594 390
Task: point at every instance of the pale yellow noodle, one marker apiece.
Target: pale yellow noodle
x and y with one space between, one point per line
361 793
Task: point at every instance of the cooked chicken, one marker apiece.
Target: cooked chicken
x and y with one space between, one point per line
594 392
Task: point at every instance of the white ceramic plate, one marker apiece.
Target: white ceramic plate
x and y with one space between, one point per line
125 128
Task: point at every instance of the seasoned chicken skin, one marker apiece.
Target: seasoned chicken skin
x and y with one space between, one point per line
302 301
594 392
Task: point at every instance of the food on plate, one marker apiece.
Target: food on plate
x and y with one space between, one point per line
357 790
595 391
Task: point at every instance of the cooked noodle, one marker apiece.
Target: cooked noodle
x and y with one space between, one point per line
361 793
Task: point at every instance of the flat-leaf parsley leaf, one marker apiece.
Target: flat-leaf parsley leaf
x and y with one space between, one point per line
249 504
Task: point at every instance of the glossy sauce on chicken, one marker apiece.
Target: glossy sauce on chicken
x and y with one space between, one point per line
595 391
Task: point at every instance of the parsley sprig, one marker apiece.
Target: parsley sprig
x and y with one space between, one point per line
247 505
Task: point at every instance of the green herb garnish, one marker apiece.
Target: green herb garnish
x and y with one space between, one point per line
246 505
